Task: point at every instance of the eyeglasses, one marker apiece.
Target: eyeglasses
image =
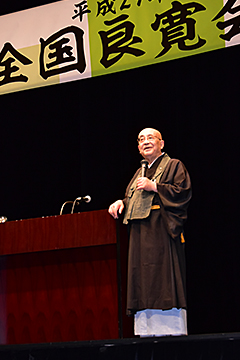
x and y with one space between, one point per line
148 138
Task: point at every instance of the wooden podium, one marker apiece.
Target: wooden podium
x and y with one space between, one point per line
63 278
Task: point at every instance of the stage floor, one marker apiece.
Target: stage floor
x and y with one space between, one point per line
192 347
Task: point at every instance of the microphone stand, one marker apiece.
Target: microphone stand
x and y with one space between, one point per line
66 202
86 198
74 203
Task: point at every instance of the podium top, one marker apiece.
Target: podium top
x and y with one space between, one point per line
57 232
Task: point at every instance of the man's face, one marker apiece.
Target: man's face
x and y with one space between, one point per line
150 144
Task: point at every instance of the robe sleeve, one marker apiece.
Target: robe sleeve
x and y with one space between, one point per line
175 192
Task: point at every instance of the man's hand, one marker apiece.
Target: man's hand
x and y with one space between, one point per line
144 183
115 208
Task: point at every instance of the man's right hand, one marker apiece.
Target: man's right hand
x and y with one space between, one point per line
115 208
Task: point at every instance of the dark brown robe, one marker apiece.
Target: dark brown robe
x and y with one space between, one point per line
156 265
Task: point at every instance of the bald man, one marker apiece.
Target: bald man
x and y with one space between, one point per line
155 210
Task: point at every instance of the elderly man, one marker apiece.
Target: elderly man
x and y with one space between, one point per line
155 210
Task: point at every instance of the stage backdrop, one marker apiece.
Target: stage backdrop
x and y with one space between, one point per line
80 138
68 41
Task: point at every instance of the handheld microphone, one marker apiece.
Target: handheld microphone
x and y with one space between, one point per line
144 164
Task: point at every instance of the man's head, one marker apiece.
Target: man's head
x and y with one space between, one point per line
150 144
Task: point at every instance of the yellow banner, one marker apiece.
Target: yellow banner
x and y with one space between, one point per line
68 41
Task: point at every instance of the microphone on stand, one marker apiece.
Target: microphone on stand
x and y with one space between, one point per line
144 164
85 199
3 219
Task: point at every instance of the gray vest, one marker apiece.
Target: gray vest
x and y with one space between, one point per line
139 202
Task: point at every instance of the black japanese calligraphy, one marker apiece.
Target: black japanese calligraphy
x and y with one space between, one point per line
62 54
124 33
82 9
177 27
139 2
105 7
9 69
234 22
124 5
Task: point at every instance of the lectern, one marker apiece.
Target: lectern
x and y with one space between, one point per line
63 278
